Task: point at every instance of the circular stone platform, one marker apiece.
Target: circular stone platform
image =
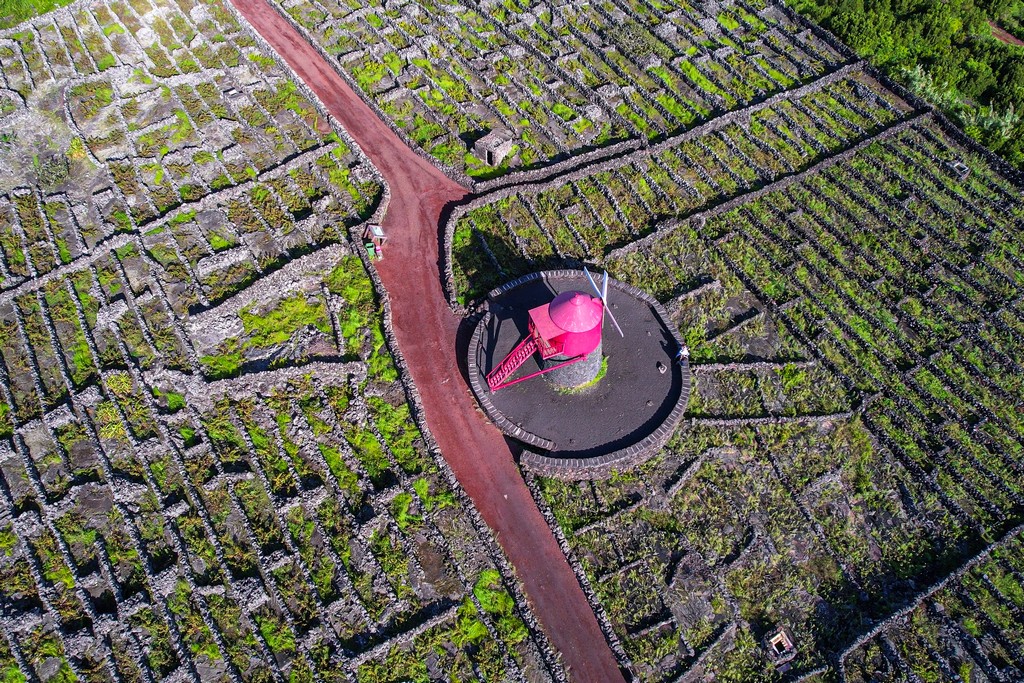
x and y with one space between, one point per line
620 420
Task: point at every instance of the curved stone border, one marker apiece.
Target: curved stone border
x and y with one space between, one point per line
578 168
597 467
899 617
603 619
482 397
670 225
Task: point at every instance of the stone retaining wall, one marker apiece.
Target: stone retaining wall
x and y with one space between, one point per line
581 575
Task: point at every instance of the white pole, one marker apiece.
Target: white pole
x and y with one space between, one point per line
601 294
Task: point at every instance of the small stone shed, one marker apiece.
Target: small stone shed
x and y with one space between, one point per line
493 147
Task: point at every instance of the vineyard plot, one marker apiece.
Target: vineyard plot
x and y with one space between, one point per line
560 79
850 455
211 468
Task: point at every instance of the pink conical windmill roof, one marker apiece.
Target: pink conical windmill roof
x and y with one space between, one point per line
575 311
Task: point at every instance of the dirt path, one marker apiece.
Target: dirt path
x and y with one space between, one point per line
426 330
1000 33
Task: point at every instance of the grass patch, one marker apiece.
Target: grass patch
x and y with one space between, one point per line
370 454
400 510
105 62
274 327
586 385
399 431
14 12
350 281
227 361
497 602
439 500
280 323
347 479
728 21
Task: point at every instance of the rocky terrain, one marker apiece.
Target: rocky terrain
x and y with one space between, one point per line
214 464
209 463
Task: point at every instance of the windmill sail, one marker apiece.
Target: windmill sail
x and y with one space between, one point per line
602 294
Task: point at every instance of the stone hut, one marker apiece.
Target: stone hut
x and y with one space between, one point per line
781 647
493 147
959 169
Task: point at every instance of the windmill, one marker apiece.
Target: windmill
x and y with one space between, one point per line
564 331
606 400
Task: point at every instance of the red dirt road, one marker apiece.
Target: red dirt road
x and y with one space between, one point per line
426 329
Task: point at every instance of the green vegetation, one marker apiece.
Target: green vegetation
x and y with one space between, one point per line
401 511
160 653
265 330
170 400
283 320
346 478
438 500
6 427
728 21
399 430
109 422
369 74
856 332
496 601
8 539
227 361
601 372
16 11
350 281
175 401
946 53
113 329
105 62
370 454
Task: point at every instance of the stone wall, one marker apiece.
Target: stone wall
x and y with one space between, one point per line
581 167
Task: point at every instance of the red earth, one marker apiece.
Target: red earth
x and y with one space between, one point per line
1000 33
426 330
